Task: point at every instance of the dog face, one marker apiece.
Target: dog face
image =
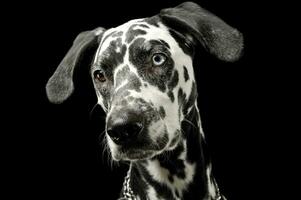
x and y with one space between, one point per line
143 75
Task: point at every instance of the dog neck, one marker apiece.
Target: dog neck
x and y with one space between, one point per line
182 173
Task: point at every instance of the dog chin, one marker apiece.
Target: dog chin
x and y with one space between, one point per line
139 152
134 155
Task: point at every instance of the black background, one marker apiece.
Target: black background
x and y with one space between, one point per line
56 151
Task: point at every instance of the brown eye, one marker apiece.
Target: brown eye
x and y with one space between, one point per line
99 75
158 59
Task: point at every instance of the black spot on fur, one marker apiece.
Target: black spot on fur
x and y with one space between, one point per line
177 193
162 112
132 33
172 84
181 97
165 43
186 75
174 80
181 100
144 26
171 96
192 98
137 55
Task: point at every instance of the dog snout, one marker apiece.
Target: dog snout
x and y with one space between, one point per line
124 127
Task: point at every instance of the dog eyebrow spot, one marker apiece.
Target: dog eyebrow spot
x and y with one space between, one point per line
144 26
132 33
165 43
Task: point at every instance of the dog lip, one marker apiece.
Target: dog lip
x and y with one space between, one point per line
136 154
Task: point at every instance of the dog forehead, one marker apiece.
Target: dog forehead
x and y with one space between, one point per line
125 34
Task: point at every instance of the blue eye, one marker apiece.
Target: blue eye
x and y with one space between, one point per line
158 59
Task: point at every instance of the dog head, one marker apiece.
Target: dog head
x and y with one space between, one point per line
143 75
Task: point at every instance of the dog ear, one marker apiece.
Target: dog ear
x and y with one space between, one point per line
220 39
60 85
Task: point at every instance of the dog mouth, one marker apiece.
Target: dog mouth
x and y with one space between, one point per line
134 155
140 150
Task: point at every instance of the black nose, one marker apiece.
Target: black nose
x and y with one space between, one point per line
124 129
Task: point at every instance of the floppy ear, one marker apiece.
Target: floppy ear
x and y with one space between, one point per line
60 85
220 39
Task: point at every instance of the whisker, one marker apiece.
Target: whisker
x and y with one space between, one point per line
93 108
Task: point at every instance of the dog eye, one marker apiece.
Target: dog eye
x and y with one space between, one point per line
99 75
158 59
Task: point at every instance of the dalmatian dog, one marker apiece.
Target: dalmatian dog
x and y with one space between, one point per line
144 79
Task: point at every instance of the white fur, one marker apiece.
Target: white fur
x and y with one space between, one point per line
151 193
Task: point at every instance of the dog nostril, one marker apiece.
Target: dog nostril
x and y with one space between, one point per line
113 134
134 128
121 134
